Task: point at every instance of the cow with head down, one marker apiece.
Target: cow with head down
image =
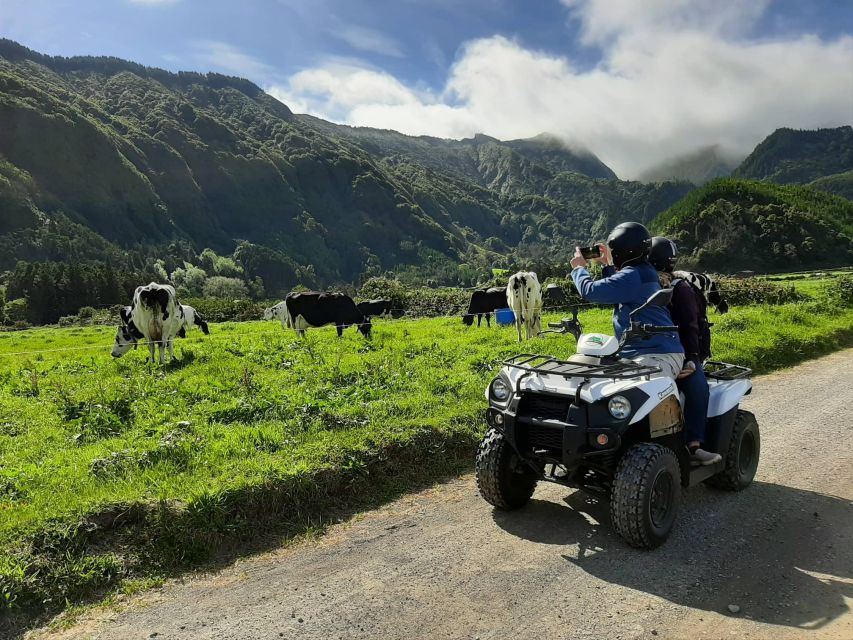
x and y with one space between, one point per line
154 316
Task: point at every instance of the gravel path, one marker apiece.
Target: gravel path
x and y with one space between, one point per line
443 564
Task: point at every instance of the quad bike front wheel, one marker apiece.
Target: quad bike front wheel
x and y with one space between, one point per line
645 495
741 456
505 480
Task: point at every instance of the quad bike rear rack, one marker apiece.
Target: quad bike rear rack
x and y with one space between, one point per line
725 371
551 366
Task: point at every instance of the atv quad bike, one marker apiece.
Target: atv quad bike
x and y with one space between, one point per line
612 427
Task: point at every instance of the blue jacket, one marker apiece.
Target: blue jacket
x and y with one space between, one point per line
628 288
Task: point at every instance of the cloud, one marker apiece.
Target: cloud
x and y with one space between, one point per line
228 59
369 40
675 75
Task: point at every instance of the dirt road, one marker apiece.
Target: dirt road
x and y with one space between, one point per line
443 564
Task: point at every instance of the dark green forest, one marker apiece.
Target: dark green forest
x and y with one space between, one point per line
113 174
732 224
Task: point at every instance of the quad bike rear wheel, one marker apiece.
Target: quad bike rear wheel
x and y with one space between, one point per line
505 480
742 455
645 495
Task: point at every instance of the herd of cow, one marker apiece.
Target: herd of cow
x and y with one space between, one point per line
156 318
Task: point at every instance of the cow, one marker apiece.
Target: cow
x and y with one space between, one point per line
553 296
380 307
277 312
525 299
191 318
131 335
484 302
315 309
155 316
707 287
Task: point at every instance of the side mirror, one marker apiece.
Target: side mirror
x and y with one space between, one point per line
660 298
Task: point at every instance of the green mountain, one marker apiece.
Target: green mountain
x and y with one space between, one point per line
790 156
733 224
698 167
841 184
106 160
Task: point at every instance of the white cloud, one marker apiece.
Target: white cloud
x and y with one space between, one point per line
228 59
369 40
675 75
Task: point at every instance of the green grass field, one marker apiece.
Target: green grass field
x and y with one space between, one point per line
112 470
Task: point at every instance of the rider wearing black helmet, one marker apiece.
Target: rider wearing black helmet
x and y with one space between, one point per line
628 282
688 310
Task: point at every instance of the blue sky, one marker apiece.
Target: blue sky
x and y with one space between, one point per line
422 66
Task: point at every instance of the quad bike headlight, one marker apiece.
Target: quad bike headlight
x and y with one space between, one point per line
500 390
619 407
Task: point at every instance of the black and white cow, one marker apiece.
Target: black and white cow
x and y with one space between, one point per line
525 299
706 285
315 309
154 316
484 302
191 318
553 296
380 307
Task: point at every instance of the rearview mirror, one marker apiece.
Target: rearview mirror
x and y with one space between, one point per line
660 298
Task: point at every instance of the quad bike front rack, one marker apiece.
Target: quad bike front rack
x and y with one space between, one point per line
551 366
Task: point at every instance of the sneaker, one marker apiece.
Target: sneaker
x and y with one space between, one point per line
706 457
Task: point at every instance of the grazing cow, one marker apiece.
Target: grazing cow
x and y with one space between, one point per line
706 285
525 299
277 312
553 296
155 316
191 318
314 309
484 302
380 307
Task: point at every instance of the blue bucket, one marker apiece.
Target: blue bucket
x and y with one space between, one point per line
504 316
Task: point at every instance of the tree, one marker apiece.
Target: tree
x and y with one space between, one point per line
189 280
222 287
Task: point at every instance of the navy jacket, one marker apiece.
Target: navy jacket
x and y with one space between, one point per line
628 288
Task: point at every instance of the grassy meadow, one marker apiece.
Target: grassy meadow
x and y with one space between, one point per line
119 470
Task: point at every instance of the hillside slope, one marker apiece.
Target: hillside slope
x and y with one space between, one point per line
699 167
732 224
102 158
790 156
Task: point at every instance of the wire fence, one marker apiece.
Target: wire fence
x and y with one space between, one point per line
220 337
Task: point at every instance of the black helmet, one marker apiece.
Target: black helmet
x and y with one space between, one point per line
662 254
628 242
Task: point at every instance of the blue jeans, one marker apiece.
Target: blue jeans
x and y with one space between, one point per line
696 396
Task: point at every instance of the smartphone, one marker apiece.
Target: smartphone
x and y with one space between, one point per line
591 252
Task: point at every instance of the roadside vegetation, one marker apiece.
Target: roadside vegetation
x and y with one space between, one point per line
115 471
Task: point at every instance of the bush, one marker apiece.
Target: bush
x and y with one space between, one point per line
753 291
16 311
216 310
840 290
394 290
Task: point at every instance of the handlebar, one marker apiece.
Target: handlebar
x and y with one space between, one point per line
555 325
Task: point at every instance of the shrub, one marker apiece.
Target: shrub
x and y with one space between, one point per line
16 311
218 310
393 290
753 291
840 290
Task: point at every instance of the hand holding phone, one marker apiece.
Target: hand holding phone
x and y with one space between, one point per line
591 252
